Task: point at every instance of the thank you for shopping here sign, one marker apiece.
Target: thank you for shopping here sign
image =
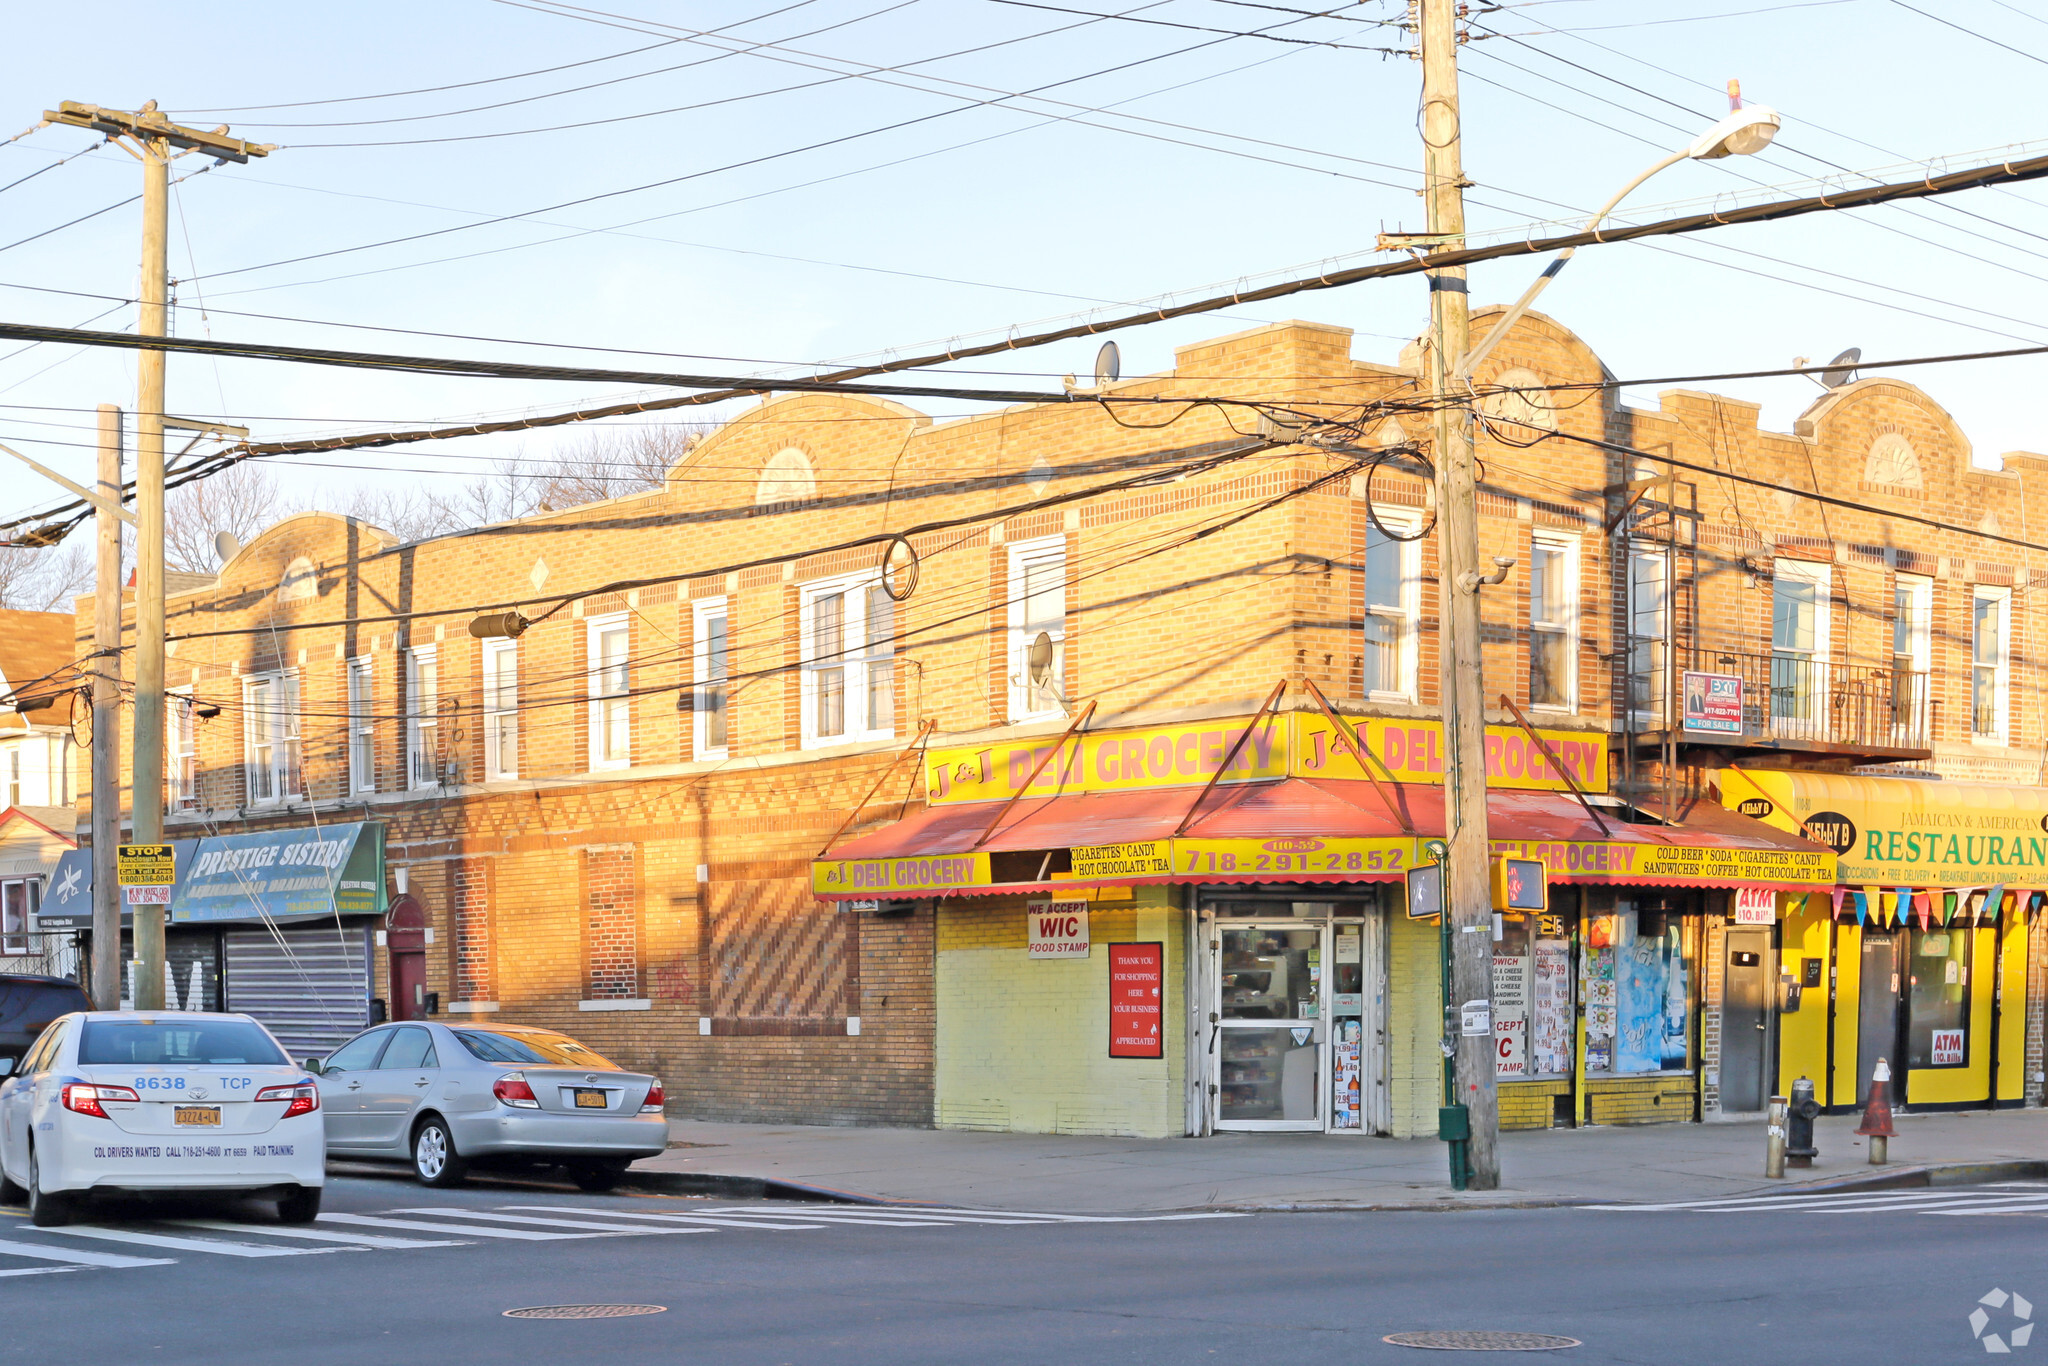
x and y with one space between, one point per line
1299 744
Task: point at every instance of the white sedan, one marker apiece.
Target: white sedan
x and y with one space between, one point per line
164 1101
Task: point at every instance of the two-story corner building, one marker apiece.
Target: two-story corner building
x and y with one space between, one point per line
1059 769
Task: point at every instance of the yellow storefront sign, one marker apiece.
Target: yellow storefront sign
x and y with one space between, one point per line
1138 858
918 875
1294 856
1300 744
1704 865
1902 832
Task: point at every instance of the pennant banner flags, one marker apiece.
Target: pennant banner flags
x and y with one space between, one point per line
1922 905
1862 896
1841 897
1949 903
1994 902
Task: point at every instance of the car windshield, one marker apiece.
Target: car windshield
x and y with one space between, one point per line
186 1043
533 1046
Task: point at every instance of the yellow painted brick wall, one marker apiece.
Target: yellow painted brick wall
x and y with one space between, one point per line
1653 1100
1023 1043
1414 1025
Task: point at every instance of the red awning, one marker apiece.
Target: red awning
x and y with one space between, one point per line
1731 850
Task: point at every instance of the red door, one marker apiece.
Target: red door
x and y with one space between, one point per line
406 937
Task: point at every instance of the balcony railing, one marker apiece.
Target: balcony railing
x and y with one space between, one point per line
1794 698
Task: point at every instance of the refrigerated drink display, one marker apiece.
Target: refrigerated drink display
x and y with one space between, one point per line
1345 1093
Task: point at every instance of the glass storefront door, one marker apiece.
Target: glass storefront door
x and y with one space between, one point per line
1269 1030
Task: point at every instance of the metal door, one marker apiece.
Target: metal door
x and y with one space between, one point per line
1265 1051
1745 1021
1877 1011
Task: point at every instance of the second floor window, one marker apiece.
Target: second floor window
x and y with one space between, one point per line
1391 606
270 726
611 687
362 727
501 709
1038 629
1988 609
713 673
422 717
1912 615
849 668
1553 604
1799 641
181 754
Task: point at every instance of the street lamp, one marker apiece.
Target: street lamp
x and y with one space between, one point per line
1746 131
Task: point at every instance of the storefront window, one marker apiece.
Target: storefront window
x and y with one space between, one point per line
1938 1000
1511 998
1636 972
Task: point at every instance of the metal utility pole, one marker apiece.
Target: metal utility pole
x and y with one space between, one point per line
1468 908
151 138
106 720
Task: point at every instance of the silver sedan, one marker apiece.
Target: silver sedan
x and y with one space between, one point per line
446 1096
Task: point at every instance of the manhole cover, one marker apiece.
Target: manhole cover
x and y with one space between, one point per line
1459 1340
585 1311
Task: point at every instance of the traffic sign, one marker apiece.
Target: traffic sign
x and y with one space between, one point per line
144 865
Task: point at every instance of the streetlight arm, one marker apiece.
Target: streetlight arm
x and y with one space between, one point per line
1471 359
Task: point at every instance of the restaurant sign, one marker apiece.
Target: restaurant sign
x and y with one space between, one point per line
1299 744
1901 832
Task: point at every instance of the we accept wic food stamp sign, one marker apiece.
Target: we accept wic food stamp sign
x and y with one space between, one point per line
1057 929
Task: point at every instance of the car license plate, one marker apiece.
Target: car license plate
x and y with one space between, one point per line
590 1100
198 1114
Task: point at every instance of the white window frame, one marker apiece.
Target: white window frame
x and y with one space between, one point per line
270 737
422 717
2001 671
1566 626
500 665
181 751
1027 703
14 773
1810 706
14 939
611 699
1407 614
712 693
1918 656
360 683
857 659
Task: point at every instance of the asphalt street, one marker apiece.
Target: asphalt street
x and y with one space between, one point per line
396 1272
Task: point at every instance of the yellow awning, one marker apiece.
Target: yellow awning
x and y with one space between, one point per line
1904 832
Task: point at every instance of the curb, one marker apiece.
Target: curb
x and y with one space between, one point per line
744 1188
1927 1174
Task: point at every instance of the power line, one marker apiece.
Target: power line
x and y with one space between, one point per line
1203 28
2018 52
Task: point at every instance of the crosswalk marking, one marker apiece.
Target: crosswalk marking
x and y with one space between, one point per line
2026 1200
455 1213
401 1230
522 1234
78 1256
376 1240
171 1243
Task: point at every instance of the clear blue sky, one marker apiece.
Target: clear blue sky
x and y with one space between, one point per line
1220 157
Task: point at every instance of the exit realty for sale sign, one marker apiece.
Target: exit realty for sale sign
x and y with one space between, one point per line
1058 929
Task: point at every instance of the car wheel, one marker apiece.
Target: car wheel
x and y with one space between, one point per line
45 1208
302 1206
597 1178
434 1159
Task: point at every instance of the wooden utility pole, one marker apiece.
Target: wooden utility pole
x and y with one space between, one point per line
1468 908
154 141
106 720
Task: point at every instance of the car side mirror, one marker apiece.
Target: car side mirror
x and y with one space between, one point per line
315 1066
6 1067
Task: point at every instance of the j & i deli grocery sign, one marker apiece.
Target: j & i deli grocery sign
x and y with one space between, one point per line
1298 745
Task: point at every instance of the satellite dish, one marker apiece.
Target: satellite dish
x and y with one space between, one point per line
226 546
1842 369
1040 661
1109 364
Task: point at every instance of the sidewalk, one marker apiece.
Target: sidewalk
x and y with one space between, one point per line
1064 1174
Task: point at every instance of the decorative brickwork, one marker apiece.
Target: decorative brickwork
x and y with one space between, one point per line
476 977
611 944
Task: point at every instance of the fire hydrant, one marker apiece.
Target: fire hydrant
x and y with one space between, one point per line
1799 1149
1877 1114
